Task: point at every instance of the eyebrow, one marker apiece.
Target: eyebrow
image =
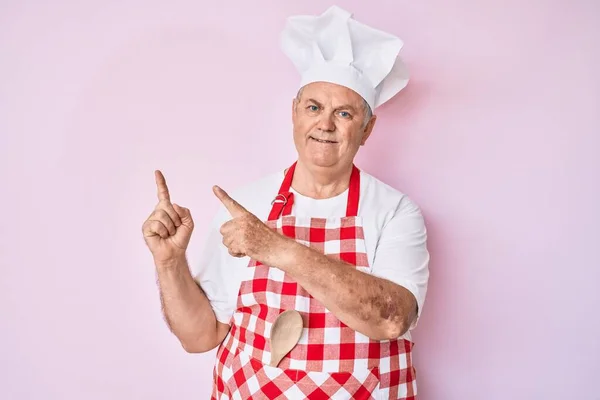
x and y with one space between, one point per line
342 107
314 101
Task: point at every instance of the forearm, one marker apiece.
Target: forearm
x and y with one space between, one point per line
373 306
185 307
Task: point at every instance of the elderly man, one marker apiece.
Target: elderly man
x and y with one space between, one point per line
323 238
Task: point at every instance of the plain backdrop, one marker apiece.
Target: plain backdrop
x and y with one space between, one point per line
496 138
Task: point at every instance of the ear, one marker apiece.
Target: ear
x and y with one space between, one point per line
294 108
368 129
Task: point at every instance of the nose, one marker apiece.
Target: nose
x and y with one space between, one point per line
326 123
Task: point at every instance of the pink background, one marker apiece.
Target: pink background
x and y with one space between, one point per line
496 138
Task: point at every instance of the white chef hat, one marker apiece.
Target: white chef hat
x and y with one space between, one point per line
335 48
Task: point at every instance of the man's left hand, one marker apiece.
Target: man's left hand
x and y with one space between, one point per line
245 234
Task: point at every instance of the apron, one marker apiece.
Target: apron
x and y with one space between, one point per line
331 360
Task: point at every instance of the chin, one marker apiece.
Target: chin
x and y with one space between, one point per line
322 162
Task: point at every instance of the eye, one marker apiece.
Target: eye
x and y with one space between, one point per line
312 107
345 114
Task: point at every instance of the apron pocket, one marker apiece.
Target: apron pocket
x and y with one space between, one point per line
252 378
357 385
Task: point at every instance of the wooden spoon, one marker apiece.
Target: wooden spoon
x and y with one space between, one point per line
285 334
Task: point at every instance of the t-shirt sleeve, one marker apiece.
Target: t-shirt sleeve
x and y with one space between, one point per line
401 255
211 271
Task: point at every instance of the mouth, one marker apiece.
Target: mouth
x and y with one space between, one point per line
322 140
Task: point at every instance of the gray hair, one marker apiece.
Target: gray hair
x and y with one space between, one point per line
367 108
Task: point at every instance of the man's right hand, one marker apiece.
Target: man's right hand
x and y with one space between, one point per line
168 230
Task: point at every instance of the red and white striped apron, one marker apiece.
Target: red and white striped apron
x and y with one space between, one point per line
331 360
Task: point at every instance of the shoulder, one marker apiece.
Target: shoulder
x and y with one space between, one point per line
382 197
257 191
255 195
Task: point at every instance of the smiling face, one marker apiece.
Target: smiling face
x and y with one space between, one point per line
329 125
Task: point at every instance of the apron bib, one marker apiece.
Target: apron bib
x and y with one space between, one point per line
331 360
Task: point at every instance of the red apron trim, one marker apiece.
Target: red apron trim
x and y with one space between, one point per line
282 203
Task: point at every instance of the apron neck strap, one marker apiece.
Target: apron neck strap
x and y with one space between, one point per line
282 203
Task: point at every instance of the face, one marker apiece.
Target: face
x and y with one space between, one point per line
329 125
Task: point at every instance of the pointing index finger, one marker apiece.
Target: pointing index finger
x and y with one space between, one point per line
161 186
234 208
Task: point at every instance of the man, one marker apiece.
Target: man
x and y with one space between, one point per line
322 237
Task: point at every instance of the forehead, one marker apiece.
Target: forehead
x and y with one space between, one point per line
326 92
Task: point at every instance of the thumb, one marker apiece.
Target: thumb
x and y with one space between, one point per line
234 208
185 215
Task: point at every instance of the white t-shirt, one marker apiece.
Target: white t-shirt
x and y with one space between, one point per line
394 230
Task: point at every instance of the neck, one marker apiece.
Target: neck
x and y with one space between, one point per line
320 182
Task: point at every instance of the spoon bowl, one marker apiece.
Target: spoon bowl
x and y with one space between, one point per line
285 334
